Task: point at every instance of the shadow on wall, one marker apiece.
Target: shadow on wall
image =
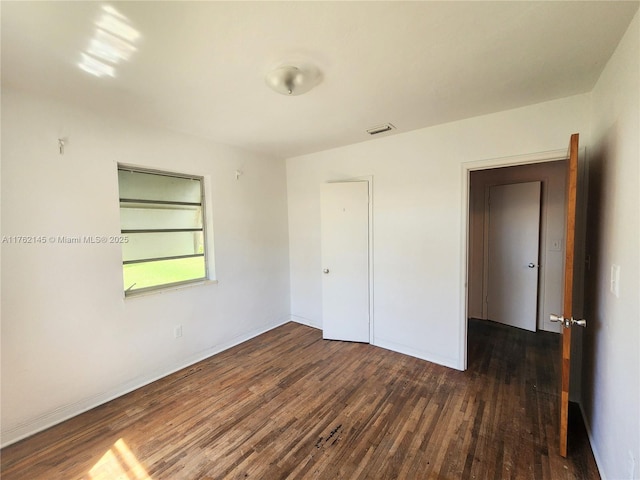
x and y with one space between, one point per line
599 167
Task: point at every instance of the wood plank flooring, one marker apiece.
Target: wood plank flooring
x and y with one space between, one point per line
288 404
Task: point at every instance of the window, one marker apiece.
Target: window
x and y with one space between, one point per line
162 218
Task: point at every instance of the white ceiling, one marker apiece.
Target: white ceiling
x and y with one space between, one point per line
199 66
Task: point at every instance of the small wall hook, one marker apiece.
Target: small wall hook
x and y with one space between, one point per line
61 143
238 173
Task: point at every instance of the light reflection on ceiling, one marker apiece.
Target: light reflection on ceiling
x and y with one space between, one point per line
113 41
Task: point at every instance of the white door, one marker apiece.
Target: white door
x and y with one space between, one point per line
345 261
514 229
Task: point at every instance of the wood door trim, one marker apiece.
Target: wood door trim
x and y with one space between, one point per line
567 310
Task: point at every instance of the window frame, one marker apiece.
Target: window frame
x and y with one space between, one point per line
205 227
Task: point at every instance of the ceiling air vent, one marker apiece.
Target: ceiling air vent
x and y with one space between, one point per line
387 127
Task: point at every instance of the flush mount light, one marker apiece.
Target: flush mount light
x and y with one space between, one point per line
293 80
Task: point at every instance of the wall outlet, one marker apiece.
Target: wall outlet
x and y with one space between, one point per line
177 331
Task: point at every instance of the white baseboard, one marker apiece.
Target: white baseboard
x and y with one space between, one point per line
591 443
25 429
304 321
428 356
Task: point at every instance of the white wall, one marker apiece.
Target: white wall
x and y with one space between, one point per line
418 215
611 373
69 338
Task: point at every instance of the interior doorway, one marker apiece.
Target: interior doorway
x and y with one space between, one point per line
550 242
551 176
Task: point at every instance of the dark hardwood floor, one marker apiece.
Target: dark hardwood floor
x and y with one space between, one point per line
288 404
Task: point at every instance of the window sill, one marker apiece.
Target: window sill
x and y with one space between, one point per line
169 289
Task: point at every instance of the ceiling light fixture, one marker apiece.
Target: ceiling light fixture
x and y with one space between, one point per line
293 80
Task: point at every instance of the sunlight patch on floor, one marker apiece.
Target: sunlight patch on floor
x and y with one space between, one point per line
119 463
